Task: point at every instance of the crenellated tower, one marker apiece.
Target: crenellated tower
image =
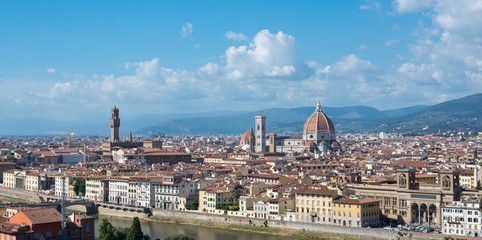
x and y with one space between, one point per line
114 125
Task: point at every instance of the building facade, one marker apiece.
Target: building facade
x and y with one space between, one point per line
411 202
315 205
354 211
118 191
97 189
462 218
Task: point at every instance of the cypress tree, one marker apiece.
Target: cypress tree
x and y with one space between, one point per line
135 232
106 230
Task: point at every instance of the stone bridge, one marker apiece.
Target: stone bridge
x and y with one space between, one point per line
83 206
75 204
89 207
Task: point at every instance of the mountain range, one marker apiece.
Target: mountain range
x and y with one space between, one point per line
462 114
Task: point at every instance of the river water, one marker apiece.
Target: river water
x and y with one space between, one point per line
163 230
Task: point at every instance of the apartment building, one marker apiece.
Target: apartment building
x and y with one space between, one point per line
65 182
145 193
356 211
210 198
315 205
462 218
172 192
118 191
97 189
29 180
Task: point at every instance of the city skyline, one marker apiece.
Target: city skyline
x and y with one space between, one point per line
72 61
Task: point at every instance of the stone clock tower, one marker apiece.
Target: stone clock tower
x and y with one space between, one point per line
114 125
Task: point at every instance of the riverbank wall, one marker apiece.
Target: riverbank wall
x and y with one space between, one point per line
121 213
370 233
17 193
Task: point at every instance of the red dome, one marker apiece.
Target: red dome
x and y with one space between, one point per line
318 121
245 137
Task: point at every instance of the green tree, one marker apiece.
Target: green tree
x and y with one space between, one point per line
479 186
121 233
106 230
236 195
179 237
135 232
79 187
192 204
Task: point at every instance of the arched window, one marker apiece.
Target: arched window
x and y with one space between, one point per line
402 180
446 182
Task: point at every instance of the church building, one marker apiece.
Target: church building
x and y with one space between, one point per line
318 136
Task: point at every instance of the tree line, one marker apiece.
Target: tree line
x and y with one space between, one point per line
108 232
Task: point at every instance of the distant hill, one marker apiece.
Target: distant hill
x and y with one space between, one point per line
463 114
279 120
403 111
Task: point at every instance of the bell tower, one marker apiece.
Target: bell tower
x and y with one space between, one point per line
272 142
114 124
260 121
406 179
450 180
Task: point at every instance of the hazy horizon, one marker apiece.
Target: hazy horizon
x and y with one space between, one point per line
75 60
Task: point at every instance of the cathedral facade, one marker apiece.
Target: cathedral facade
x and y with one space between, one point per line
318 136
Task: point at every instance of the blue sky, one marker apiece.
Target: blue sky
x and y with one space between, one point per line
75 59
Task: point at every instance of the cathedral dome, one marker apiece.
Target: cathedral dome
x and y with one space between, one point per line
245 136
318 121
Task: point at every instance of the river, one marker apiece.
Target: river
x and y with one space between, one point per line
163 230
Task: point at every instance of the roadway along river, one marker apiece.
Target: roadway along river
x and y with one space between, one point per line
163 230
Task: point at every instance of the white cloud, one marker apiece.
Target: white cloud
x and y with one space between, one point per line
51 70
364 7
57 91
186 30
445 52
362 47
210 68
445 62
391 42
268 55
408 6
236 36
277 71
